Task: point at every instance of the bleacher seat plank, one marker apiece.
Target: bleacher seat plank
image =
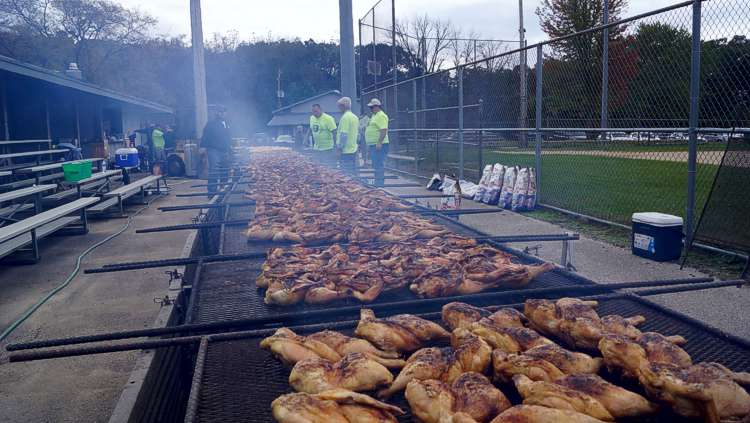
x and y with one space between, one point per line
25 192
33 222
41 232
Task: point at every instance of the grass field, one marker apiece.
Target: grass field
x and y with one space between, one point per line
610 188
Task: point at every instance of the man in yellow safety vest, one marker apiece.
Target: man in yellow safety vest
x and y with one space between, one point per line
348 132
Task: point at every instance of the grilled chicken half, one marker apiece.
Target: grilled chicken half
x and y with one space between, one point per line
706 390
587 394
333 406
471 396
354 372
576 322
457 315
538 414
469 353
400 333
330 345
505 366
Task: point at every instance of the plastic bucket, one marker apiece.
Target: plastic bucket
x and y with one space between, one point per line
76 171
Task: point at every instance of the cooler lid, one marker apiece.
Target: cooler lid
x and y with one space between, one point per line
657 219
126 150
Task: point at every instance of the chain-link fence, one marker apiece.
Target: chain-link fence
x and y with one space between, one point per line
676 82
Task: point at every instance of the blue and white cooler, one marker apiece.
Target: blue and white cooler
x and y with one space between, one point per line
126 158
657 236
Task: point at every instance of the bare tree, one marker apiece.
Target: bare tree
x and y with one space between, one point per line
426 41
88 21
104 24
224 42
491 52
36 17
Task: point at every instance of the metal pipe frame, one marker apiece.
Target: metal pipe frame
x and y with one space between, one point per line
191 226
383 307
207 206
54 352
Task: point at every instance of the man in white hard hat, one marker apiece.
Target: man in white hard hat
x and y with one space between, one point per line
376 137
348 132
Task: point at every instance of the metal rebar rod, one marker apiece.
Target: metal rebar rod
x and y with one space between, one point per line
204 194
118 267
174 262
190 226
453 212
410 185
220 184
53 352
373 177
207 206
425 196
203 327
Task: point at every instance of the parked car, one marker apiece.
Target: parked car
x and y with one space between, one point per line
284 139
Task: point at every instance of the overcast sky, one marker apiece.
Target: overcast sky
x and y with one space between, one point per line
318 19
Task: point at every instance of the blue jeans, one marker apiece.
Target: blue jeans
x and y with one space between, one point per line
217 159
349 163
378 162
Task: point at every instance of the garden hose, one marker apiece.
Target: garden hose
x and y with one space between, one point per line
31 310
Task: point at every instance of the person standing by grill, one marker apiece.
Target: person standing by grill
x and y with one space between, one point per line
348 133
376 137
323 129
218 144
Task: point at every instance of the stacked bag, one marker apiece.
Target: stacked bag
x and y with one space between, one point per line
508 187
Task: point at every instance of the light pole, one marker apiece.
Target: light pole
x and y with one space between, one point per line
348 85
199 68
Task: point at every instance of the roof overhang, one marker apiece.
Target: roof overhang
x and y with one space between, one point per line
14 66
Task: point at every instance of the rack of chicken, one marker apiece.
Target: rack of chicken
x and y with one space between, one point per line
455 383
299 201
438 267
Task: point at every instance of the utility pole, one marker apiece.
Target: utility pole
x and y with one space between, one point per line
279 91
346 42
522 76
199 68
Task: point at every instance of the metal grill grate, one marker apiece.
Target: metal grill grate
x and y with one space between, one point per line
240 380
227 291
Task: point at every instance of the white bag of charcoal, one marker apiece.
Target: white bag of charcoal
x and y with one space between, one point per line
434 183
468 189
495 185
531 193
452 188
509 184
484 182
520 190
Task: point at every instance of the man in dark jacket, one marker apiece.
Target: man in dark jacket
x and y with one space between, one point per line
218 144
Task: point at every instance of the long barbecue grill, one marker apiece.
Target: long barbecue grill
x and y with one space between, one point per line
227 377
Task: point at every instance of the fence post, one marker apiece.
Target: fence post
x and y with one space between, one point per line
437 152
605 66
695 80
481 138
460 123
416 124
538 121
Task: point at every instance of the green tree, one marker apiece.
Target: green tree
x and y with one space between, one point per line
658 94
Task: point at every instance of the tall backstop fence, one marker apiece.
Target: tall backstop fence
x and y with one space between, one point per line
641 125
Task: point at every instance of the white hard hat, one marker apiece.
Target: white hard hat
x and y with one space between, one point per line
373 102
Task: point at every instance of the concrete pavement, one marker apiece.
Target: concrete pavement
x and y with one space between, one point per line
84 389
